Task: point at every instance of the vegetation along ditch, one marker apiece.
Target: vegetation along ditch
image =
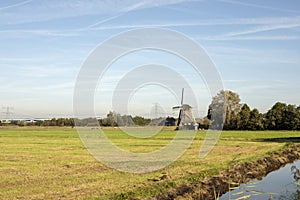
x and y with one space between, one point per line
215 186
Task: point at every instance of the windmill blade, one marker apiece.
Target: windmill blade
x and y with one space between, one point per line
181 110
182 96
176 107
179 117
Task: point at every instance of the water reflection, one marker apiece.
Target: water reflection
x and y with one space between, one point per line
296 172
281 184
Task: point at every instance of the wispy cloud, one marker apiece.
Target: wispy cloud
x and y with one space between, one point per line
263 29
42 50
15 5
223 38
17 59
50 71
236 35
40 32
113 10
107 11
272 21
33 89
49 10
135 6
239 56
258 6
31 70
254 27
67 86
234 81
259 25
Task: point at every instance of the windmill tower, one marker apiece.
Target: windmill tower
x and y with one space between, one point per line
186 119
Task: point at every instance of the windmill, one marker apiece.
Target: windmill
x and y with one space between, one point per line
186 118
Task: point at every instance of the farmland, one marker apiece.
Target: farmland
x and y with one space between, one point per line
52 163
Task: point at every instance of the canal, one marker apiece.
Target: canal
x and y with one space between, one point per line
281 184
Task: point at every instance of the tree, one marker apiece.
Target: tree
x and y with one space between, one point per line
275 117
37 123
53 122
110 119
204 123
255 121
291 119
116 119
223 109
298 117
60 122
141 121
243 117
283 117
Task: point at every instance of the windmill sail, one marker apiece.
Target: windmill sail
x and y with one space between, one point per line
180 112
179 117
185 116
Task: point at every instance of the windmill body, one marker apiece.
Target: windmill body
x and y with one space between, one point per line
186 119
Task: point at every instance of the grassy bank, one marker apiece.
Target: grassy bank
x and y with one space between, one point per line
52 163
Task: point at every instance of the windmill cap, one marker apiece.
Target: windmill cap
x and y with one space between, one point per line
186 106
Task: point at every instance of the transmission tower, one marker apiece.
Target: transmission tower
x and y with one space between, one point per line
7 111
156 110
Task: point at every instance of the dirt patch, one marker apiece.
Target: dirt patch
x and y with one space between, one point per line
213 186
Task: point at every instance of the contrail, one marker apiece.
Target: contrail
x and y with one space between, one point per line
15 5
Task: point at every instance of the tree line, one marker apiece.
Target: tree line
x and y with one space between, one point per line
50 122
112 119
227 112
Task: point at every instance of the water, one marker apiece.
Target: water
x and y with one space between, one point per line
279 184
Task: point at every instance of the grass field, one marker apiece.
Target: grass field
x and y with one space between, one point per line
52 163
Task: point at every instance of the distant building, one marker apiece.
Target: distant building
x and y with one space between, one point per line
26 120
170 121
5 121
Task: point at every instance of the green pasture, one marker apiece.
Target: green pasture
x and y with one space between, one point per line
52 163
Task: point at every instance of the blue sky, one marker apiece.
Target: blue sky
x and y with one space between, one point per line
255 46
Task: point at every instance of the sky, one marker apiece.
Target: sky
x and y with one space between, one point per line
254 45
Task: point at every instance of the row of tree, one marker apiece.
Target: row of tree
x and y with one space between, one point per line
112 119
226 111
51 122
116 119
